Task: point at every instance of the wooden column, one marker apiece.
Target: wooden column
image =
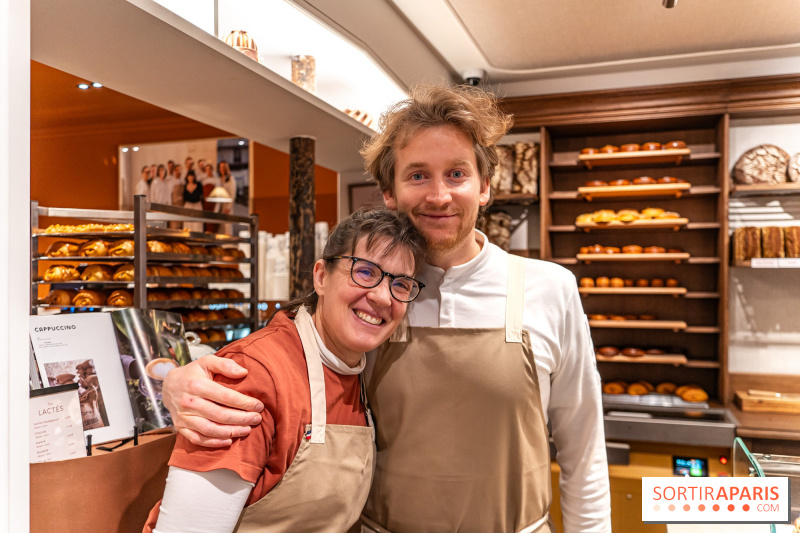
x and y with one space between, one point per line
302 215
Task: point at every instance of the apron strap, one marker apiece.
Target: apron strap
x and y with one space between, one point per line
316 376
515 301
401 333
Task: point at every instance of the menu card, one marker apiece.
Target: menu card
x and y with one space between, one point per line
56 427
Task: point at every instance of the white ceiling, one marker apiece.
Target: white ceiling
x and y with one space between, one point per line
540 46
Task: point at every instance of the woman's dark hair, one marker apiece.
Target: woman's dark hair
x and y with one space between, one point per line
379 226
192 174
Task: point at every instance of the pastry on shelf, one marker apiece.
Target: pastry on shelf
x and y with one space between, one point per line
666 180
88 298
62 249
217 294
654 351
640 388
630 147
585 218
195 315
597 317
650 146
674 145
61 273
610 250
691 393
603 282
746 243
619 183
668 214
180 294
203 272
609 149
667 387
791 237
159 247
615 387
608 351
198 250
652 212
764 164
231 314
644 180
120 298
595 183
60 297
160 270
200 294
618 318
654 250
180 248
627 215
217 251
632 249
657 282
671 282
182 271
589 151
98 273
646 317
214 315
93 248
617 282
157 296
216 335
632 352
772 242
674 250
642 282
233 293
124 273
586 283
123 247
201 335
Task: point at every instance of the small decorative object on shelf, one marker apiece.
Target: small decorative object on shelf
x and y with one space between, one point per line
304 72
761 165
794 168
240 40
497 226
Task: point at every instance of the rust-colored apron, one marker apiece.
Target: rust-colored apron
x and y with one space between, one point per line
326 485
462 439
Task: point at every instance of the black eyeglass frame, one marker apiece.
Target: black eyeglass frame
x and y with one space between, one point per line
384 274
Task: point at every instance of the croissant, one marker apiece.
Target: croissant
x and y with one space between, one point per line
694 395
199 250
61 273
94 248
231 313
98 273
180 294
216 293
180 248
217 251
233 293
121 248
214 315
124 273
159 247
62 249
60 297
200 294
157 296
87 298
615 387
638 389
120 298
666 388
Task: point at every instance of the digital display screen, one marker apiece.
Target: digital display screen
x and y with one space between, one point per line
689 466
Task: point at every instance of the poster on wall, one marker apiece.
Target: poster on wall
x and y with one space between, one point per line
82 349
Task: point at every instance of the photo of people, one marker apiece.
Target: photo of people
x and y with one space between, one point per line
82 372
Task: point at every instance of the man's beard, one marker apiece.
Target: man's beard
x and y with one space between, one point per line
442 241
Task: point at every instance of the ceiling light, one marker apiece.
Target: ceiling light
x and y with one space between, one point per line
83 86
241 143
97 85
135 148
125 149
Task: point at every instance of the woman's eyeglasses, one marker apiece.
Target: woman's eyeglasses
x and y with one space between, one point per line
368 275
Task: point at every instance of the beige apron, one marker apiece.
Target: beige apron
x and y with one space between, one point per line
327 483
462 440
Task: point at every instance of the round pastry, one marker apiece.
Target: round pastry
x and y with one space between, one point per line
667 179
618 318
200 294
671 282
644 180
62 249
595 183
157 296
87 298
653 351
180 248
610 250
627 215
632 147
121 248
608 351
674 145
609 149
654 250
683 388
597 249
231 313
587 282
233 293
693 394
589 151
651 146
93 248
656 282
196 315
199 250
617 282
159 247
597 317
642 282
669 214
203 272
615 387
583 250
60 297
619 183
651 212
214 315
628 282
632 249
630 317
180 294
584 218
604 216
217 294
98 273
674 251
218 251
61 273
647 384
124 273
647 317
602 281
120 298
638 389
632 352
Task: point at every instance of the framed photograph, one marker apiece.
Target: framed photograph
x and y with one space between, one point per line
365 195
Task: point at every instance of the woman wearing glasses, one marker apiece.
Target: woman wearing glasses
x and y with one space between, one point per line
308 465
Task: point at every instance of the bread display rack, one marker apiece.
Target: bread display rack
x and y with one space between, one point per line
202 273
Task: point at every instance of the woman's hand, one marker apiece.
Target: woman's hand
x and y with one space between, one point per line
205 412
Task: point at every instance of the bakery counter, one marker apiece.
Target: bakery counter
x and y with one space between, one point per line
765 425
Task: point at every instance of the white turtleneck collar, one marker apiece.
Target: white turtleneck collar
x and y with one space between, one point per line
331 361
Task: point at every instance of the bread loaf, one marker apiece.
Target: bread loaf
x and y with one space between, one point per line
792 241
772 242
746 244
62 249
763 164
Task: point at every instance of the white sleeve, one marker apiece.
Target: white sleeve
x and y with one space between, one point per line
198 502
576 415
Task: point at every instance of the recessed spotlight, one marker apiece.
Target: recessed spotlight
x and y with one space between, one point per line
135 148
125 149
241 143
83 86
97 85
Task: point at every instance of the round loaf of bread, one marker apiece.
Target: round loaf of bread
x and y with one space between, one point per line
589 151
587 282
631 147
674 145
609 149
632 249
649 146
602 281
632 352
619 183
608 351
644 180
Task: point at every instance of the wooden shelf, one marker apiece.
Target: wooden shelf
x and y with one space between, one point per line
702 363
515 199
701 329
696 190
634 191
769 262
656 291
659 223
634 158
674 325
766 190
677 257
702 295
703 260
666 359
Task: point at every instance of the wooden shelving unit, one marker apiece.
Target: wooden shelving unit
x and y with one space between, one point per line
634 158
765 190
